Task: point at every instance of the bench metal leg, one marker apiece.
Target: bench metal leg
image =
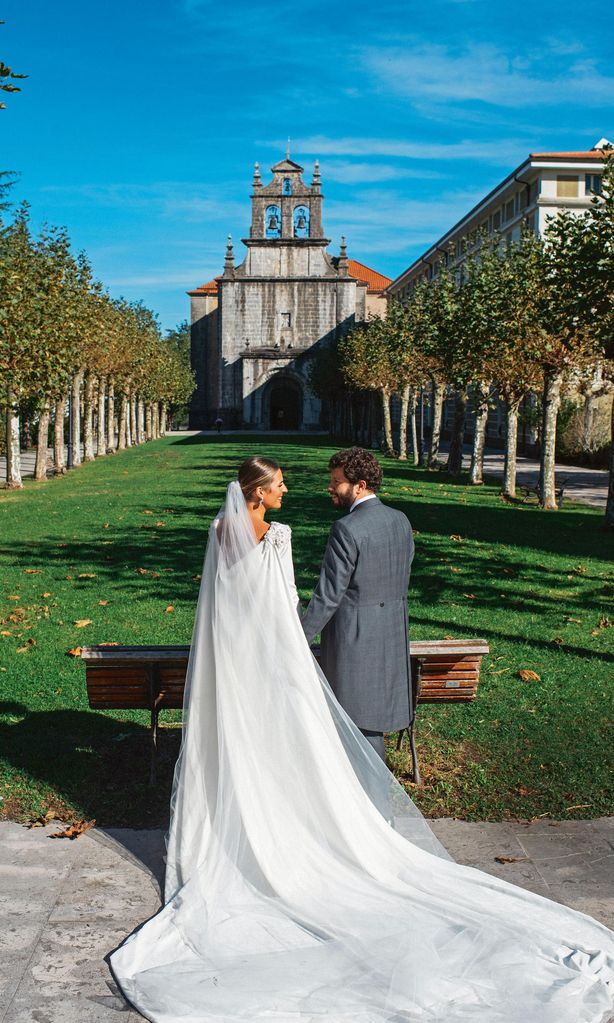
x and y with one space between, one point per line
155 699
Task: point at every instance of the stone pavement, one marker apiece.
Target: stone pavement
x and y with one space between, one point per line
65 905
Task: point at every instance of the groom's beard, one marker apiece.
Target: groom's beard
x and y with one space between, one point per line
342 500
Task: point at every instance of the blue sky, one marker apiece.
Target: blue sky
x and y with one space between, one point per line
140 122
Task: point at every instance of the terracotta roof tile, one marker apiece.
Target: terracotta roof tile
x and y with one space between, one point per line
591 154
210 288
375 281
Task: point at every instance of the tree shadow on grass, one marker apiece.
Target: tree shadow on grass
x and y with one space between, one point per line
90 765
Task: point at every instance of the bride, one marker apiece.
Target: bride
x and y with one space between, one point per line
302 884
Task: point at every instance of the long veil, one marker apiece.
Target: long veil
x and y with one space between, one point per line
302 883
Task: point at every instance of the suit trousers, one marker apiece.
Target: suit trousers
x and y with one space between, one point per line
377 741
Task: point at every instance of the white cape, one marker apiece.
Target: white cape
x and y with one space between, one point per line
289 896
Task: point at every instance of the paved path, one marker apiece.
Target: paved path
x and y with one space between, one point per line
66 905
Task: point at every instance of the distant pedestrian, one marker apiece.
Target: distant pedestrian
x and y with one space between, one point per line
219 422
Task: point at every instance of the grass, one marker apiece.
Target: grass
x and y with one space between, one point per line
120 541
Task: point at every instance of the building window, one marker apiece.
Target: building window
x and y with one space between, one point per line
286 320
566 186
301 222
272 222
496 221
592 184
509 211
534 190
287 187
524 197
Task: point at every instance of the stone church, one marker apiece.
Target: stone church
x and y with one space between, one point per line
255 327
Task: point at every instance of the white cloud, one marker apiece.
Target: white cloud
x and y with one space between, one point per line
348 172
509 150
488 74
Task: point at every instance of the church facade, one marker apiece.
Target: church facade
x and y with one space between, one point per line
256 326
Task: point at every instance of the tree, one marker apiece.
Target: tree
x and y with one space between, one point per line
582 258
7 78
367 364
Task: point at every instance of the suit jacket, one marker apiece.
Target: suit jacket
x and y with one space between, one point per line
360 607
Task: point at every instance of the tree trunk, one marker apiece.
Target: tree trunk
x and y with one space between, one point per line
588 420
59 459
163 418
609 508
13 450
508 487
438 396
40 466
148 422
76 418
133 431
110 417
455 457
88 418
101 425
140 421
388 445
405 399
123 422
414 428
552 399
26 432
476 472
156 420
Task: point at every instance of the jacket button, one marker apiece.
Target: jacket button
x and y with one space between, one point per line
381 603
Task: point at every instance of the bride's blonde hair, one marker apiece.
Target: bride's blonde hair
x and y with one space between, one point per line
256 472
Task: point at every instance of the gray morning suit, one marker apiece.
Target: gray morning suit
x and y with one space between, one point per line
360 607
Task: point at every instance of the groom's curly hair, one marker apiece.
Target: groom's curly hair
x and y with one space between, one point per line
358 464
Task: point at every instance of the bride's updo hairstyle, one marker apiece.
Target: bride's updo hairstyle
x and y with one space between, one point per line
256 472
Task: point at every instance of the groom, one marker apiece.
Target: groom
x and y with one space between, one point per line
360 602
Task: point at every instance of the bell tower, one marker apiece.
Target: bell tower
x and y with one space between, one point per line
286 208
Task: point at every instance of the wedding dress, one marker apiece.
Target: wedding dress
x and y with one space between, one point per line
290 896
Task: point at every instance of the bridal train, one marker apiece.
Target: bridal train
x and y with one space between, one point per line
289 896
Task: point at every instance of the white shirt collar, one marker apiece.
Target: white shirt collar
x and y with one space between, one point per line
360 500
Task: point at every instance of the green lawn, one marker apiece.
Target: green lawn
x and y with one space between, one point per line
120 541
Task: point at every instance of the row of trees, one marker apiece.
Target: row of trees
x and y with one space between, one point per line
67 346
533 317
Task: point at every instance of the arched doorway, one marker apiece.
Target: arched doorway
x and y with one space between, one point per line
285 405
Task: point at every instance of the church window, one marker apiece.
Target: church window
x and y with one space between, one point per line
287 187
286 320
301 222
272 222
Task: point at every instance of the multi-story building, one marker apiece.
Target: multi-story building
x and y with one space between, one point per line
256 326
532 194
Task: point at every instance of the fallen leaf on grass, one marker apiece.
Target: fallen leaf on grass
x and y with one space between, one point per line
576 621
5 632
41 822
111 642
469 596
160 523
86 575
605 623
74 652
509 859
32 571
196 578
457 538
557 640
522 791
82 622
23 649
48 594
579 806
74 830
169 608
449 637
14 596
141 571
528 676
146 511
103 603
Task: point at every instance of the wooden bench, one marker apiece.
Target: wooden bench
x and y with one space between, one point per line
442 671
153 677
532 490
